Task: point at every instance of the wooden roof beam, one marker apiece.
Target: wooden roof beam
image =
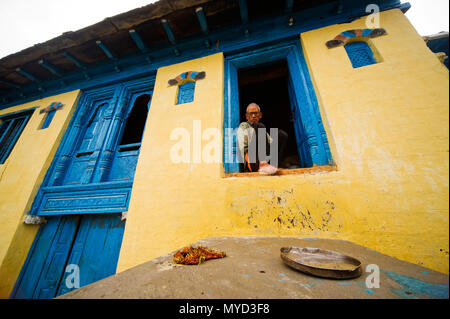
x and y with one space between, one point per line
75 61
78 64
289 5
27 75
139 43
244 15
11 84
203 24
31 77
108 53
138 40
170 34
50 67
105 50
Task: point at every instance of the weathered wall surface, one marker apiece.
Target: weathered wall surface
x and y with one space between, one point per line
387 125
20 179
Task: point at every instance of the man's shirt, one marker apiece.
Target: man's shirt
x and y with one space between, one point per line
245 133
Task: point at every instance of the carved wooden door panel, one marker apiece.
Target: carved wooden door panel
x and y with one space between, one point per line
85 156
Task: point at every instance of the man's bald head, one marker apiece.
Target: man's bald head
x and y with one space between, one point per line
252 105
253 114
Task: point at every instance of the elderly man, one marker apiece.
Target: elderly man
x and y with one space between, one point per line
247 134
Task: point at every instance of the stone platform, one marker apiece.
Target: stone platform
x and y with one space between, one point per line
253 269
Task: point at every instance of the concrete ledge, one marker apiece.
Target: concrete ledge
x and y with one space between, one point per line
253 269
285 171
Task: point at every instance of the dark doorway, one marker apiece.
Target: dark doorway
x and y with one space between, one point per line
267 86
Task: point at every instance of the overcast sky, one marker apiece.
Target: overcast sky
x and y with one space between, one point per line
24 23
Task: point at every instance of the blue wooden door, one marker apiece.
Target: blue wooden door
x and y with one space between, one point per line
91 243
96 249
45 264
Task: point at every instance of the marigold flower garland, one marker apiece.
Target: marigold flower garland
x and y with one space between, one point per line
195 256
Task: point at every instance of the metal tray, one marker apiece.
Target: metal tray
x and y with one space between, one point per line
321 263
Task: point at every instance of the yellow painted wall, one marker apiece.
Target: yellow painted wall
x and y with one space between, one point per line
387 126
20 179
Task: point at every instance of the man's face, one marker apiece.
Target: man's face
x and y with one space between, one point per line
253 114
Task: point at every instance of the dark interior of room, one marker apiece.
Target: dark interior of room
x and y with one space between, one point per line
136 121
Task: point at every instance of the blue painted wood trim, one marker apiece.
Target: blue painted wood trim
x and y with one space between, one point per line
18 112
262 31
92 242
105 149
53 266
9 124
95 198
15 292
118 96
309 111
25 115
39 253
95 249
231 118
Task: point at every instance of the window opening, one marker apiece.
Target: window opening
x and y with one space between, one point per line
134 128
11 128
360 54
48 119
310 135
267 86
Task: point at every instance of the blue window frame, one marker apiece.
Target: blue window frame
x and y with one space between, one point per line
49 116
359 54
186 93
11 128
311 139
48 119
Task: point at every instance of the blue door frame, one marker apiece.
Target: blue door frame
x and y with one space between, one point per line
304 103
